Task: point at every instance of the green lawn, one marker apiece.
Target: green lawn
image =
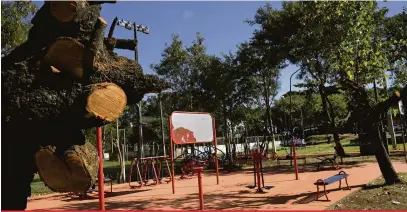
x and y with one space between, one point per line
376 196
38 187
326 148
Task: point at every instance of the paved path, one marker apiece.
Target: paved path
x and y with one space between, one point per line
230 194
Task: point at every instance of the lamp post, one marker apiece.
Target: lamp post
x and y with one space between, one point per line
162 123
291 123
291 127
145 30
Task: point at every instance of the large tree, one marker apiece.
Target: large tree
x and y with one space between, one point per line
259 59
297 34
334 41
226 88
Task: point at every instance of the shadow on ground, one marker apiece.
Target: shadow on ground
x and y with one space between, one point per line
234 200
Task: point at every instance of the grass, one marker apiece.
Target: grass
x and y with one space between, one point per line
376 196
326 148
320 148
38 187
323 138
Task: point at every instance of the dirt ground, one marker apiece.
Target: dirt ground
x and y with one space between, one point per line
231 193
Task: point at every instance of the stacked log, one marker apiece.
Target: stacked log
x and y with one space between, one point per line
65 78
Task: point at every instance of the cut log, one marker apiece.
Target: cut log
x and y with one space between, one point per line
65 11
75 170
95 48
106 102
126 44
69 55
52 108
43 95
110 44
66 54
46 28
55 70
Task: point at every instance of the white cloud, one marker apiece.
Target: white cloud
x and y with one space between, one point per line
187 15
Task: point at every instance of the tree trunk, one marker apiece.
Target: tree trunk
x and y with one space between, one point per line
382 156
233 146
330 119
226 136
370 117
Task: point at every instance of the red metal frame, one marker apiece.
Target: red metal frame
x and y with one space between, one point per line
257 157
295 160
148 161
201 197
101 184
172 147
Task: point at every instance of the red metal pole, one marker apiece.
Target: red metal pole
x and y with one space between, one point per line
101 175
201 197
172 166
295 161
257 161
171 156
216 151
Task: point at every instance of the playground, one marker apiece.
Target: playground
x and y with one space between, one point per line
261 183
231 193
305 112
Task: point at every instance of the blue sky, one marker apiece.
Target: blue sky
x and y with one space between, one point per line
220 23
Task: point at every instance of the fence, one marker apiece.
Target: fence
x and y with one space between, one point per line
155 148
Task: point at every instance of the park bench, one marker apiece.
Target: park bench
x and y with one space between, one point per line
338 177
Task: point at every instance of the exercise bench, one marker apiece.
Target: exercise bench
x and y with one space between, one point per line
338 177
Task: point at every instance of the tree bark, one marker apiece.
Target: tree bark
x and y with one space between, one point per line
57 83
369 117
330 119
226 135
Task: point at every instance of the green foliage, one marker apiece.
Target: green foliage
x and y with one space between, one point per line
394 31
15 17
340 105
202 82
181 66
328 40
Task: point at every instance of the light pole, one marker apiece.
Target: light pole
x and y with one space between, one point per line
291 123
145 30
291 127
162 123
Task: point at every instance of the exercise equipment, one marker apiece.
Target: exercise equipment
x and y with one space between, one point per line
147 170
198 158
257 155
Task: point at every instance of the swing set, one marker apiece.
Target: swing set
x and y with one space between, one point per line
149 168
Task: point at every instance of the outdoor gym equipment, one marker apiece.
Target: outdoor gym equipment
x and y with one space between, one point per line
201 197
257 155
338 177
101 183
198 158
147 170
